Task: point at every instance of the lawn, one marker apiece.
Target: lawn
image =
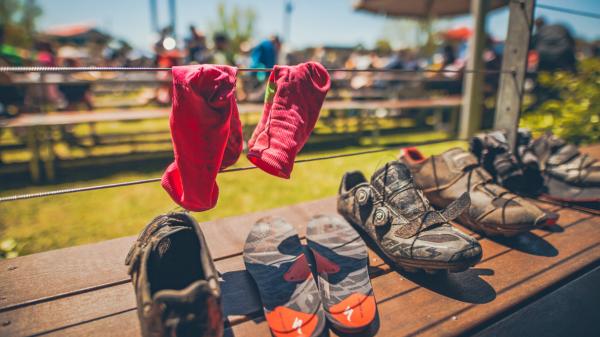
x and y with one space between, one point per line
66 220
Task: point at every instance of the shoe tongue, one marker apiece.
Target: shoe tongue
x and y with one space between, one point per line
393 178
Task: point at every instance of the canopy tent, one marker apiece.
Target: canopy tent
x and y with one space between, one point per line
420 9
79 34
457 34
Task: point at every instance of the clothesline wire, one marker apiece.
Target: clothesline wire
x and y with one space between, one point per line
569 11
236 169
254 70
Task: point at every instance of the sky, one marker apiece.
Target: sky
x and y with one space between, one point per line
313 22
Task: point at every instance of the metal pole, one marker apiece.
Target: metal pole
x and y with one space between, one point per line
470 116
514 63
153 16
287 19
173 15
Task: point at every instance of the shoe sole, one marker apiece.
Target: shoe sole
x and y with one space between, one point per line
414 266
550 220
342 263
274 257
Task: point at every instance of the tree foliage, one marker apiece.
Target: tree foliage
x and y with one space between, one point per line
18 17
238 23
574 114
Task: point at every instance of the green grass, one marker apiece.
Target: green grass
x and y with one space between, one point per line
61 221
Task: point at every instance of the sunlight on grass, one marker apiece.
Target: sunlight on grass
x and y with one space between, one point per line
67 220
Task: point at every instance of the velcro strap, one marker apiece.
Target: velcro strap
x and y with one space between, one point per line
457 207
564 154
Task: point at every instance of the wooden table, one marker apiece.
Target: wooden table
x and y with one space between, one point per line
520 285
39 126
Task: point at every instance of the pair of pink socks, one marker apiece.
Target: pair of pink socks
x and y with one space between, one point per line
207 134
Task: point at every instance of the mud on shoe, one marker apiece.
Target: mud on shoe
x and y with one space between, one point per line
519 174
175 281
569 175
493 210
400 220
275 259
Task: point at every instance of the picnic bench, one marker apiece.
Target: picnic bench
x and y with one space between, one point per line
540 283
40 143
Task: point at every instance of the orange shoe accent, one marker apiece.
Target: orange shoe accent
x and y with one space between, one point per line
299 270
286 322
412 154
355 312
324 265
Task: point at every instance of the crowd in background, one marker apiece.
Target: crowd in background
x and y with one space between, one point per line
553 47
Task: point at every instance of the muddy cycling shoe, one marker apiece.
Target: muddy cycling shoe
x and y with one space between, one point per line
569 175
175 281
493 210
342 265
396 215
496 157
276 261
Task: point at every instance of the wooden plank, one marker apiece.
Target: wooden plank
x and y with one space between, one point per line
71 272
71 118
124 324
571 310
76 117
237 284
420 305
510 92
48 316
59 272
74 269
81 308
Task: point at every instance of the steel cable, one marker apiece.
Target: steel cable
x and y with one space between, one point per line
152 180
142 69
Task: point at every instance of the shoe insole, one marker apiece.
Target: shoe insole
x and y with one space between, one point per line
341 260
275 259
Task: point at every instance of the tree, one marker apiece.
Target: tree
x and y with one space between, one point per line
571 111
238 24
18 17
383 46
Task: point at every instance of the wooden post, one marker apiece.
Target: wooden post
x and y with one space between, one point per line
510 92
49 161
34 149
470 116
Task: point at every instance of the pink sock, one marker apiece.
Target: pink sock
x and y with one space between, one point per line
292 104
206 133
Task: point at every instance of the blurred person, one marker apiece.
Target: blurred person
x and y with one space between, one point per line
397 61
46 56
11 97
221 52
449 55
197 52
264 55
555 47
76 93
167 56
9 55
